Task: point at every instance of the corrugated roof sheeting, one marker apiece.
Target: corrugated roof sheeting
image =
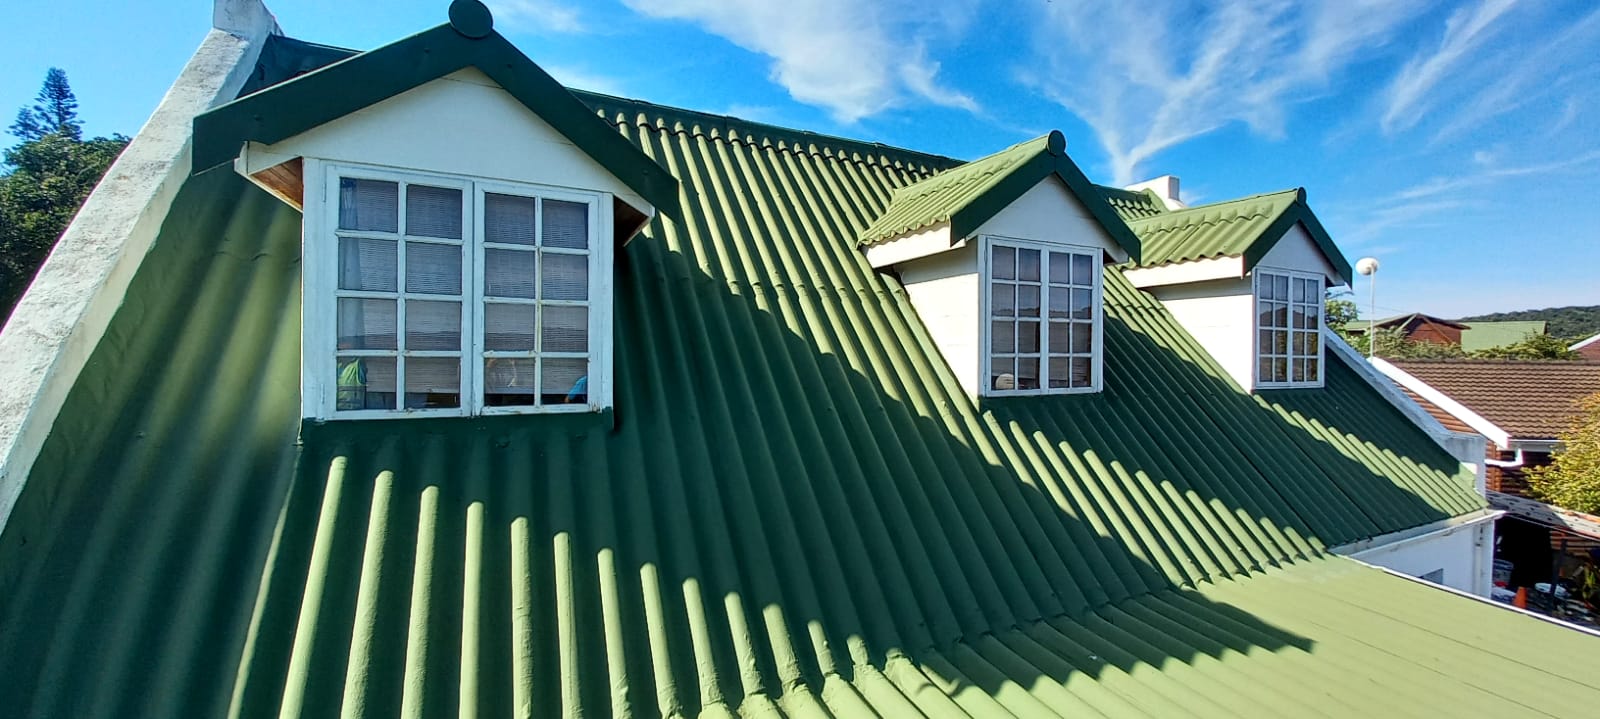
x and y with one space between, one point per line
1131 204
1224 229
935 199
793 510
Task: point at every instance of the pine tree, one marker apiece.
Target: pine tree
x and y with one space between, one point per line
54 111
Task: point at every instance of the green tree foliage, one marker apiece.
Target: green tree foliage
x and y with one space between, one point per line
1569 323
1535 347
45 179
1338 312
1573 479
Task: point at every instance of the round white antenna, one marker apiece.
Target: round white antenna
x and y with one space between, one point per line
1367 265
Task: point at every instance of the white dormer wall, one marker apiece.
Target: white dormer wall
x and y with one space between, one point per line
1215 303
945 286
461 124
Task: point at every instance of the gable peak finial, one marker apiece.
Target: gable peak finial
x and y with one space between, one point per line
471 18
1057 143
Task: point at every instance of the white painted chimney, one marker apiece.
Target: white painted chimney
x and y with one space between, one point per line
1166 186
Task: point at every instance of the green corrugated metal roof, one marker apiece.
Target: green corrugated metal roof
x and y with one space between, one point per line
794 509
1488 335
969 195
1247 227
1133 204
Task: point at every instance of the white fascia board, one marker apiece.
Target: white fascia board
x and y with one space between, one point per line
1217 268
1584 343
912 245
1500 437
1449 525
60 320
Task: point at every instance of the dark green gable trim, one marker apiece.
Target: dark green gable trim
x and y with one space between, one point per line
1248 227
972 194
316 98
1298 212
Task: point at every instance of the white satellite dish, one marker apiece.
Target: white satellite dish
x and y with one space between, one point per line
1367 265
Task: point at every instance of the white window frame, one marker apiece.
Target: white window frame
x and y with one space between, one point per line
986 244
320 267
1257 276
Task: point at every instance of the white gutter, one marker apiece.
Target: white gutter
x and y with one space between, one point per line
1404 537
1503 464
65 312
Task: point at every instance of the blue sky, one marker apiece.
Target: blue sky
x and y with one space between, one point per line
1458 142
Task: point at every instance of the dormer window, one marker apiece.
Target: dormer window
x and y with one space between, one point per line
437 295
1043 317
1288 329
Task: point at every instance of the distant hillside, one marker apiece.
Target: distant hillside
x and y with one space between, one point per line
1565 322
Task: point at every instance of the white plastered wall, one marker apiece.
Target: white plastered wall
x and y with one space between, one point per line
1048 212
72 299
1219 315
461 124
1462 548
1297 251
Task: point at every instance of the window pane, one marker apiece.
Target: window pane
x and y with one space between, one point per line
1301 319
1264 369
509 218
1280 370
1060 375
1028 337
1314 345
566 224
509 328
1264 313
1003 263
566 277
1082 304
1082 337
1060 302
1002 337
1264 342
1003 373
1280 287
433 382
1003 299
1082 372
1300 343
1299 290
433 326
1280 314
365 383
366 324
1280 342
509 381
566 329
1060 337
566 381
1083 270
1027 373
1312 365
508 273
433 269
367 265
1028 300
1060 268
1299 374
1313 316
369 205
433 211
1028 265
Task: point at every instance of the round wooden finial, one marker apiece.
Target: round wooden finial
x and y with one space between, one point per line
471 18
1057 144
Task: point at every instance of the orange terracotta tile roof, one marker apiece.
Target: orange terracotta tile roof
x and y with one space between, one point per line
1527 399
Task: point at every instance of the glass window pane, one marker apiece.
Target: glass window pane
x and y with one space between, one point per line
1300 339
1083 270
509 219
433 269
1002 337
1028 300
1313 316
565 381
1314 345
433 211
509 273
366 324
566 277
1060 268
1027 373
1003 373
1280 369
1028 337
1299 373
1060 375
369 205
1280 287
1060 303
367 265
509 328
1028 265
1082 304
1082 337
433 325
1300 315
1082 372
1003 263
1280 314
1060 337
1280 342
1003 299
566 329
1264 314
566 224
433 382
510 381
1264 341
1264 369
1313 365
1299 290
365 383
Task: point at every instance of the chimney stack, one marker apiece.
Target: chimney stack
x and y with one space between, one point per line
1166 186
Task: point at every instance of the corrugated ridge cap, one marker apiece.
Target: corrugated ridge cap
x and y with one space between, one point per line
1219 229
937 198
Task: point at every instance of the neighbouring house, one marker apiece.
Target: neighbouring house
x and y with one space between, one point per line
1589 348
410 382
1522 408
1416 327
1489 335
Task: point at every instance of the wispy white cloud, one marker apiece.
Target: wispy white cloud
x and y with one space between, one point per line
854 58
1411 94
538 15
1149 76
